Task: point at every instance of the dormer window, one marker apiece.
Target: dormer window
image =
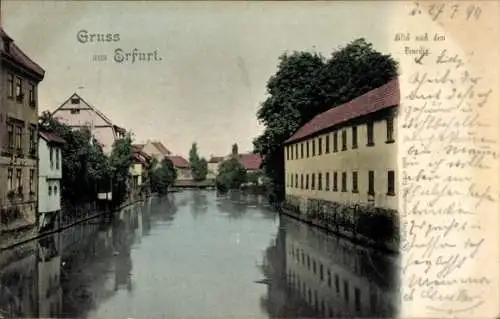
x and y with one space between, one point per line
75 111
75 100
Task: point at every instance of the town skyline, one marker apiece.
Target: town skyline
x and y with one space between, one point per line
233 60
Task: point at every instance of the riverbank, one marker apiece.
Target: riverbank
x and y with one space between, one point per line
389 246
9 240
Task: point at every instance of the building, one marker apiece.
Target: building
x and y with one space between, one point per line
155 149
213 166
251 162
19 77
140 162
346 156
49 177
78 113
182 167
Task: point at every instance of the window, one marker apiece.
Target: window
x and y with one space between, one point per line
335 183
321 272
337 283
327 181
346 291
390 183
314 266
320 181
344 181
32 132
10 130
307 149
335 142
19 88
296 180
371 183
308 262
390 129
301 181
313 181
296 151
327 144
75 111
32 180
307 181
10 89
32 96
50 190
57 158
357 299
19 178
10 184
329 278
369 134
301 150
287 149
19 138
75 100
55 190
344 140
51 157
354 136
354 182
320 146
291 180
313 147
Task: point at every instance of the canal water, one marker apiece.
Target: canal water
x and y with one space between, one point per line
196 254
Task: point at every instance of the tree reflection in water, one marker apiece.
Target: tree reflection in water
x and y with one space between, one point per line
199 203
314 274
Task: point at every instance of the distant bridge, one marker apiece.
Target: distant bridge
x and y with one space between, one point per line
209 183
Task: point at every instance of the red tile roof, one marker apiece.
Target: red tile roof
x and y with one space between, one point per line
178 161
161 148
51 137
18 56
250 161
216 159
385 96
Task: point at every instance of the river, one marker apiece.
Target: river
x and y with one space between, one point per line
196 254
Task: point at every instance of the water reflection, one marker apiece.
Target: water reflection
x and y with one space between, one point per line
311 273
65 274
199 203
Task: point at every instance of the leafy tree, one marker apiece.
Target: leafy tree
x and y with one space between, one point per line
307 84
231 175
119 163
199 166
163 176
84 165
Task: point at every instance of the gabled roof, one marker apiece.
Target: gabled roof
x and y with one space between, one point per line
50 137
178 161
160 147
250 161
93 108
17 55
383 97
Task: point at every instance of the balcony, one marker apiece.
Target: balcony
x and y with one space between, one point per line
20 98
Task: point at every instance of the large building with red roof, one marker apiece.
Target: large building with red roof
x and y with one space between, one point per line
347 155
182 167
20 77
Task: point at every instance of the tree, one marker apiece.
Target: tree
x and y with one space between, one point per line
231 175
234 150
307 84
163 176
119 163
84 165
199 166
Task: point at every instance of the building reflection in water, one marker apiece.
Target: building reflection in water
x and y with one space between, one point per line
327 276
63 275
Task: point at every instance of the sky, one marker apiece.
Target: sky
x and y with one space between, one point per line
216 58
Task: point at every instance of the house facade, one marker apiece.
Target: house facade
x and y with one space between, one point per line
78 113
213 166
49 177
138 169
154 149
19 77
182 168
346 156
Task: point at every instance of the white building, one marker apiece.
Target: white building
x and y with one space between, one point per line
49 177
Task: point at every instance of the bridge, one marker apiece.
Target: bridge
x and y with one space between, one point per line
209 183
